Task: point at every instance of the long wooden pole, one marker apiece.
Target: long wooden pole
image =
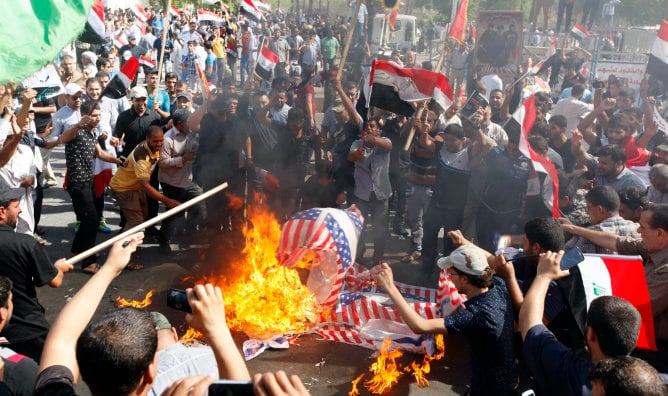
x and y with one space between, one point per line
165 27
411 134
349 39
185 205
441 59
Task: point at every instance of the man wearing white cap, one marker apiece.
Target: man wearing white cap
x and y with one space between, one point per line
487 319
132 124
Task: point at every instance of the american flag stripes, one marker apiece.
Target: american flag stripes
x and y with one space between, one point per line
364 309
331 234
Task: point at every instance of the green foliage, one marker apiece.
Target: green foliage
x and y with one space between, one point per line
651 12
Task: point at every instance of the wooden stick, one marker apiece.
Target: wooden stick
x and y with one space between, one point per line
344 56
441 59
185 205
165 27
411 134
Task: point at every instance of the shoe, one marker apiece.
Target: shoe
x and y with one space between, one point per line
76 226
103 227
400 231
415 256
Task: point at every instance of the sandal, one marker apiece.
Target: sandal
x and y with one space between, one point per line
416 255
134 266
91 269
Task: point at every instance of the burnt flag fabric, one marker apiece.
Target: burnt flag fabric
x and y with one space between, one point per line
393 88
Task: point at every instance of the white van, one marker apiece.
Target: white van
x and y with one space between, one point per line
403 38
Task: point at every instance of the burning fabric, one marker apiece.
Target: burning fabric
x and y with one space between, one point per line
355 311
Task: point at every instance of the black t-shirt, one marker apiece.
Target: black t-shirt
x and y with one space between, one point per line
55 381
43 119
79 155
20 372
566 155
220 144
26 263
506 182
134 127
293 156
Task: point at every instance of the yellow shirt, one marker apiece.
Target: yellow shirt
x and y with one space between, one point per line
218 47
141 163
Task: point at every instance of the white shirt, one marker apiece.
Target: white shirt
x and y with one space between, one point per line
573 109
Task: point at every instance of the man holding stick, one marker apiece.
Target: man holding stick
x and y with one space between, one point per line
27 264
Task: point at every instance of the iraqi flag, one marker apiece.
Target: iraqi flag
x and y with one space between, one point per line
250 9
120 40
266 63
140 13
95 28
118 86
393 88
146 62
579 31
204 15
174 11
525 115
266 7
658 56
613 275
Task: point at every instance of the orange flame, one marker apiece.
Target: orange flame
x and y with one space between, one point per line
354 391
122 302
386 369
262 297
419 371
190 336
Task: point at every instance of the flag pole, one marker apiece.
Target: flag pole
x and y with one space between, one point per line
411 134
183 206
165 24
349 38
441 59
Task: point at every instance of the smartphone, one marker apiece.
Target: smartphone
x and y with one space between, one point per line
571 258
231 388
177 299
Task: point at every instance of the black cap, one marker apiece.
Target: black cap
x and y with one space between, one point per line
8 193
180 115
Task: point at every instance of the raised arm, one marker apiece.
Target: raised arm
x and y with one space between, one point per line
533 307
60 346
208 315
603 239
383 275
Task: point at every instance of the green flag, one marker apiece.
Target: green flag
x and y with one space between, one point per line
33 32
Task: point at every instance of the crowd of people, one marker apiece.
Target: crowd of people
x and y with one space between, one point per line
437 172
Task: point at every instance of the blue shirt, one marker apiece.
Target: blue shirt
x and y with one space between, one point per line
163 98
487 321
555 368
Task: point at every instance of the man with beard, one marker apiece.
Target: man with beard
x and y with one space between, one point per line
27 264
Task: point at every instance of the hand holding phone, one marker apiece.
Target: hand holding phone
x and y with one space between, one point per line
177 299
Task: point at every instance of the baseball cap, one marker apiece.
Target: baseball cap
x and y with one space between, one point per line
138 92
160 321
9 194
132 36
180 115
469 259
73 89
185 94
